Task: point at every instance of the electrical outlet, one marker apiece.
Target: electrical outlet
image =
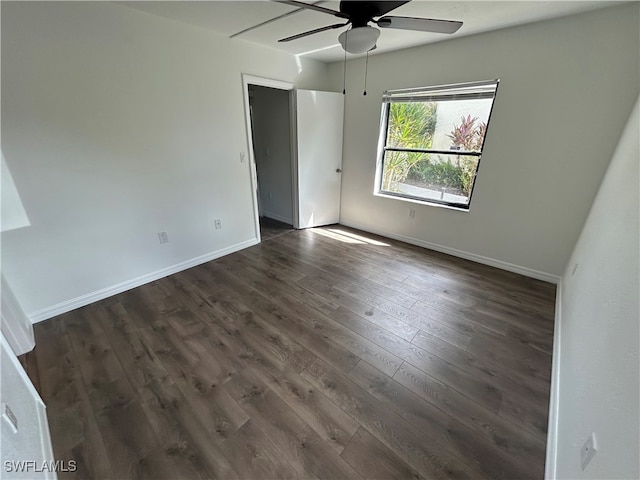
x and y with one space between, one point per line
588 450
412 213
163 237
243 157
217 223
9 417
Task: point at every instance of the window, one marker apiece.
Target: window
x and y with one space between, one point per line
431 142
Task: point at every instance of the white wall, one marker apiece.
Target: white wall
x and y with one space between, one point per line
272 132
596 360
116 125
567 87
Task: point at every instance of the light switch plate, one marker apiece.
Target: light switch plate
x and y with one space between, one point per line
9 417
588 450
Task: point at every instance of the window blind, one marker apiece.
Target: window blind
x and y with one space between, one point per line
440 93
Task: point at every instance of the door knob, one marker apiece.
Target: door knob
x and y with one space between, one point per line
338 170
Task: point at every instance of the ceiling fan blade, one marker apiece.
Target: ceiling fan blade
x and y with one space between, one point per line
309 6
419 24
311 32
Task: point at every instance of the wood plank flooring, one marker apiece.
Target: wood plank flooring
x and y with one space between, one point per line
324 353
270 228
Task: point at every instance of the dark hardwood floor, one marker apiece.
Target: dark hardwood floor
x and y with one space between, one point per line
323 353
270 228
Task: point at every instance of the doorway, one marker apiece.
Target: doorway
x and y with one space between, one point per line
271 131
271 126
299 186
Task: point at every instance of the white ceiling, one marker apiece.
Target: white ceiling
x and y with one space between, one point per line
231 17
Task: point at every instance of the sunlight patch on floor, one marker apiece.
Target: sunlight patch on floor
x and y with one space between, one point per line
336 236
370 241
347 237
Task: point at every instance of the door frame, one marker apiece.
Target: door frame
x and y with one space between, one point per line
291 88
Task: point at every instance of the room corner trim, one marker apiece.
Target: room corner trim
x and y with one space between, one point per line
81 301
551 461
492 262
16 326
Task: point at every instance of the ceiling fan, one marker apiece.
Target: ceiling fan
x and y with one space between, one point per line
362 37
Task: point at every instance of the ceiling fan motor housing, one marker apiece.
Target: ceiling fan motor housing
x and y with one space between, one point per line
362 12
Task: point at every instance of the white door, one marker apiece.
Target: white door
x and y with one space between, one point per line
319 118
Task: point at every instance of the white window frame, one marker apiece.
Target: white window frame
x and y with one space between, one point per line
439 93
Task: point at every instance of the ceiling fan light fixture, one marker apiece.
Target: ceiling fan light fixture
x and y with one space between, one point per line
359 39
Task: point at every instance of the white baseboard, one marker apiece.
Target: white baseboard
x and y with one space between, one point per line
492 262
81 301
550 468
45 438
280 218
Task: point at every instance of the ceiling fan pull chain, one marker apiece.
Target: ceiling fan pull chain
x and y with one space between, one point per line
366 68
344 77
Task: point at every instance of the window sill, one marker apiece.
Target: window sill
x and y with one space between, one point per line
421 202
